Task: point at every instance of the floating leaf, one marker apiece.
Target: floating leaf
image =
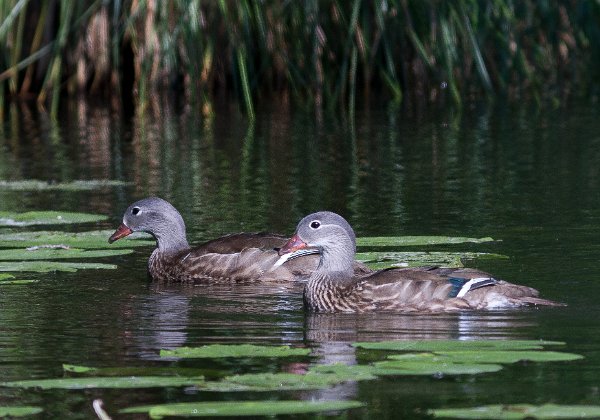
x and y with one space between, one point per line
456 345
58 253
140 371
379 260
241 408
19 411
47 218
234 350
90 240
49 266
506 356
376 241
520 411
430 364
106 382
79 185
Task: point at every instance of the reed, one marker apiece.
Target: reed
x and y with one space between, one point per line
327 54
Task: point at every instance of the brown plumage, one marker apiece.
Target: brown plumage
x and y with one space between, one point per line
243 257
334 287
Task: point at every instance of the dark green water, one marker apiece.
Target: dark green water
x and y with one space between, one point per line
526 177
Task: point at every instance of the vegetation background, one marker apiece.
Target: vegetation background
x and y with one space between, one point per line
326 54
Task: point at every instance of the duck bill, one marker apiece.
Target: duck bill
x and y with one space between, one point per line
121 232
292 245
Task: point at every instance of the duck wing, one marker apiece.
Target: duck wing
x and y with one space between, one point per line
237 242
445 285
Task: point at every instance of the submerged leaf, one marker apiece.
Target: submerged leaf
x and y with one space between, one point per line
90 240
379 260
455 345
234 350
320 376
78 185
47 218
19 411
49 266
519 411
241 408
376 241
6 282
41 253
106 382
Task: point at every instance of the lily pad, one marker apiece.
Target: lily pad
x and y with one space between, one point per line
378 241
234 350
19 411
519 411
78 185
41 253
379 260
430 364
139 371
89 240
456 345
506 356
47 218
50 266
241 408
106 382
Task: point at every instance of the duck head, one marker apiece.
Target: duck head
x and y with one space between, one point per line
331 235
157 217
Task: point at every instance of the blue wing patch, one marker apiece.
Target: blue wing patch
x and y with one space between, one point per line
461 286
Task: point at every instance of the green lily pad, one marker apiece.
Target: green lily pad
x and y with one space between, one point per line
241 408
139 371
78 185
377 241
520 411
456 345
47 218
379 260
430 364
50 266
19 411
506 356
234 350
58 253
106 382
89 240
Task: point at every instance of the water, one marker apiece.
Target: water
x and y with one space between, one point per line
527 177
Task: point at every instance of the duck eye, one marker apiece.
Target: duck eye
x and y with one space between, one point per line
135 210
315 225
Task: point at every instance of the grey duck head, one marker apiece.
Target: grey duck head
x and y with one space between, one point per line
157 217
331 234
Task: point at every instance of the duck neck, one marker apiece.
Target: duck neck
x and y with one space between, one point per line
337 259
171 240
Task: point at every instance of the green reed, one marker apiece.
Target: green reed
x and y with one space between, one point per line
327 54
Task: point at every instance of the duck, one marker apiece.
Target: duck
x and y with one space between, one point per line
241 257
334 287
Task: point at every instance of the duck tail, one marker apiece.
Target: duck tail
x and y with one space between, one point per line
536 301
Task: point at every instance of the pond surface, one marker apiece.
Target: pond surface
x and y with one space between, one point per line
529 178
